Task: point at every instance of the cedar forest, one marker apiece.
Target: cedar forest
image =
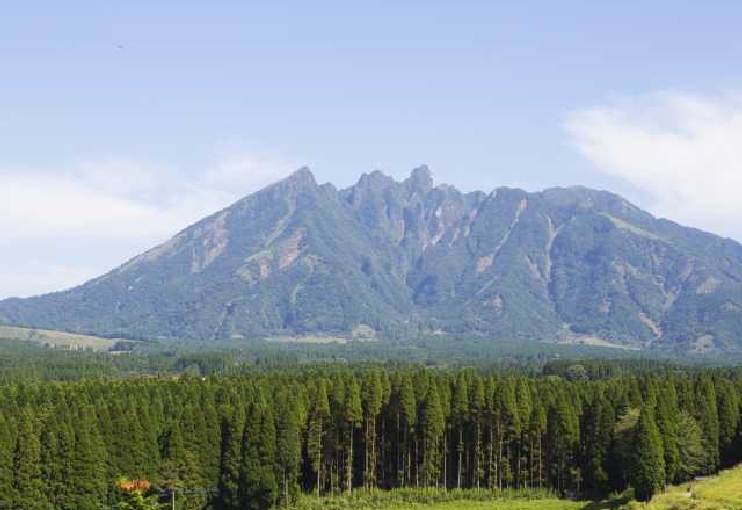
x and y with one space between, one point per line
273 437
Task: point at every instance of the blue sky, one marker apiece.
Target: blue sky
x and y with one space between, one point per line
122 122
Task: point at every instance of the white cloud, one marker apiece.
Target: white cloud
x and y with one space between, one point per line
97 204
683 150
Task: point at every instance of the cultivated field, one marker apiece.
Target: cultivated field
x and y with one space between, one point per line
57 339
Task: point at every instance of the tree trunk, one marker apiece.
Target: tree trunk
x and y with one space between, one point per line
349 465
460 447
319 458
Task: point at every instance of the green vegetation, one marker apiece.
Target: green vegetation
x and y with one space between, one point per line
368 436
57 339
438 499
722 492
393 261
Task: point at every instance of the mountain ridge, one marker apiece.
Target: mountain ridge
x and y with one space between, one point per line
401 258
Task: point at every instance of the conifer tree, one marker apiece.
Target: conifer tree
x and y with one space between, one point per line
268 483
667 415
729 419
510 429
258 485
210 440
562 434
27 481
433 424
598 426
288 445
706 414
51 468
523 399
250 451
352 414
6 460
318 416
477 407
89 461
408 421
230 460
538 423
461 418
691 457
648 473
372 398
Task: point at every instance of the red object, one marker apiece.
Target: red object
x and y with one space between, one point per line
134 485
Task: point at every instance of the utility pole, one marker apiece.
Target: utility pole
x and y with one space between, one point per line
172 499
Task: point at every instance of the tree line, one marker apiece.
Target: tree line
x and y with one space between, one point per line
261 440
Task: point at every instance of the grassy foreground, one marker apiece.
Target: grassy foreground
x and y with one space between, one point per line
541 504
722 492
440 500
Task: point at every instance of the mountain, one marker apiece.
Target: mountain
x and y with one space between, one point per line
401 258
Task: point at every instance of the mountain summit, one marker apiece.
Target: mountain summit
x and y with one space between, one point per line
400 258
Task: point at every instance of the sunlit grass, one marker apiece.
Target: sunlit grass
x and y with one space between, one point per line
60 339
429 499
722 492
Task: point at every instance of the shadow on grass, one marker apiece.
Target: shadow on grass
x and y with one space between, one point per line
608 504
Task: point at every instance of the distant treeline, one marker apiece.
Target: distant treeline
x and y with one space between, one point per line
22 361
261 439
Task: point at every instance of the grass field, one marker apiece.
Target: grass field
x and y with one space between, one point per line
544 504
429 499
308 339
541 504
723 492
58 339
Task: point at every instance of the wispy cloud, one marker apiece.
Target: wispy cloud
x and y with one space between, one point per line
96 204
683 150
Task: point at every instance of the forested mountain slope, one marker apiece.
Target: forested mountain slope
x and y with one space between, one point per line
400 258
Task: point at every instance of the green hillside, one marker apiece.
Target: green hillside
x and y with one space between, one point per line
56 339
396 259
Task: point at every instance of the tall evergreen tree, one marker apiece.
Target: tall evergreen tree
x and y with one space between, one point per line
288 445
729 419
477 407
28 486
318 417
598 420
258 486
667 415
6 460
461 419
706 414
648 474
230 460
691 457
433 424
352 415
372 399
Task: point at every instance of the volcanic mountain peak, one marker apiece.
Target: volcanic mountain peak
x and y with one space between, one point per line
406 257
